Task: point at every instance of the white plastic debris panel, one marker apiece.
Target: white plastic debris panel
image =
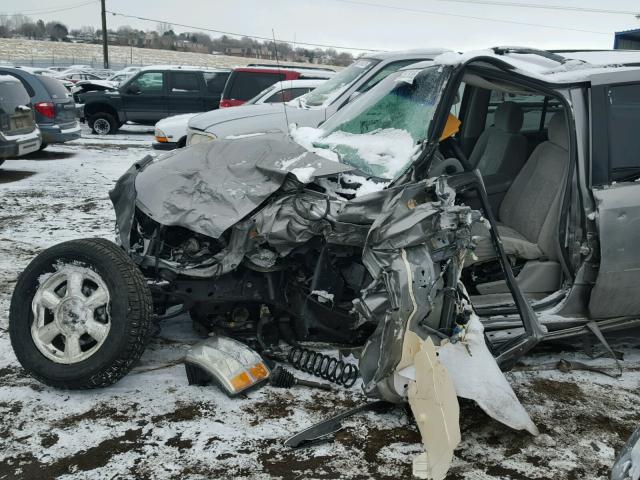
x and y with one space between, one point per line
210 187
477 377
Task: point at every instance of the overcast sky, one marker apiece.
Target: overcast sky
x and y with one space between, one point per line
442 23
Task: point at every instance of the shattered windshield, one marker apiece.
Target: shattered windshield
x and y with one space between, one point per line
381 131
337 84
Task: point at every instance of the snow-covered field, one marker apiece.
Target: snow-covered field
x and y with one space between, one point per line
152 425
23 51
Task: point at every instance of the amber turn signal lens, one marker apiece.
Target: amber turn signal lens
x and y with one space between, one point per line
259 371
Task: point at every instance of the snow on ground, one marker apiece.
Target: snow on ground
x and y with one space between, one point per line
152 425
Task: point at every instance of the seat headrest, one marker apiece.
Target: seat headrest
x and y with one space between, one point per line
508 117
557 130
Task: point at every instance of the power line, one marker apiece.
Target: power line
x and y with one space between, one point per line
544 7
49 10
485 19
240 34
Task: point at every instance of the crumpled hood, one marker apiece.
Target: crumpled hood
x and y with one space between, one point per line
222 115
209 187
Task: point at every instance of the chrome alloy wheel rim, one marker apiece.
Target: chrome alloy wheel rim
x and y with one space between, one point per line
71 317
101 126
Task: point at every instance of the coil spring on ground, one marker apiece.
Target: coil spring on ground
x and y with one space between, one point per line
323 366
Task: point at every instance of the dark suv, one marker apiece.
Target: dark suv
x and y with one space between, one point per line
153 94
19 134
53 106
246 82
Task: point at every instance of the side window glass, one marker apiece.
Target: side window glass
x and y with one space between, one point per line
150 82
215 81
277 97
286 95
24 83
624 141
184 82
247 85
383 73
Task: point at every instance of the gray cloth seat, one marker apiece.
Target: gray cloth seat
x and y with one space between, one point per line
528 215
501 148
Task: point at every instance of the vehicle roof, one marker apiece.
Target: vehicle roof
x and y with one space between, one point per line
8 78
190 68
276 69
26 74
325 69
557 66
421 52
305 82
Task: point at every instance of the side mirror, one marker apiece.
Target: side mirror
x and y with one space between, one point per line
133 89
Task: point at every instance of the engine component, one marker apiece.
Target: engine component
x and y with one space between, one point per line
283 378
323 366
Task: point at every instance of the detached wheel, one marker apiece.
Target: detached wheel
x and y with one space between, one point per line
103 123
80 315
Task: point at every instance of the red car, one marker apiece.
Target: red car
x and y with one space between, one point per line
244 83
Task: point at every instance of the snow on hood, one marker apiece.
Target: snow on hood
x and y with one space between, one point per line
182 119
386 151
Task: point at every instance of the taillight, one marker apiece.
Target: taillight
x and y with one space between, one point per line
48 109
230 102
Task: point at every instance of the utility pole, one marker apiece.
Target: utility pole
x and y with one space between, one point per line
105 39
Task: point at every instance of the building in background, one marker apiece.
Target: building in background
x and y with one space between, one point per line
627 40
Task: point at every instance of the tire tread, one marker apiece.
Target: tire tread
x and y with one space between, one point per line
139 307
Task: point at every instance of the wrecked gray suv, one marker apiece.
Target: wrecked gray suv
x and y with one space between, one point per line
446 245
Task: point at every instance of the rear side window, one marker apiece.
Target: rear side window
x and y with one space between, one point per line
215 81
54 87
246 85
12 95
537 109
30 91
623 140
286 95
184 82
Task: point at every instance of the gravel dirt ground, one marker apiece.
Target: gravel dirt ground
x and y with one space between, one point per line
152 425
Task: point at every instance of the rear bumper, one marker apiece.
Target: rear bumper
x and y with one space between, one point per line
164 145
19 145
58 134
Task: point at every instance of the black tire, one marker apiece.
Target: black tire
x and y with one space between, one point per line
131 312
1 161
182 142
43 146
107 125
